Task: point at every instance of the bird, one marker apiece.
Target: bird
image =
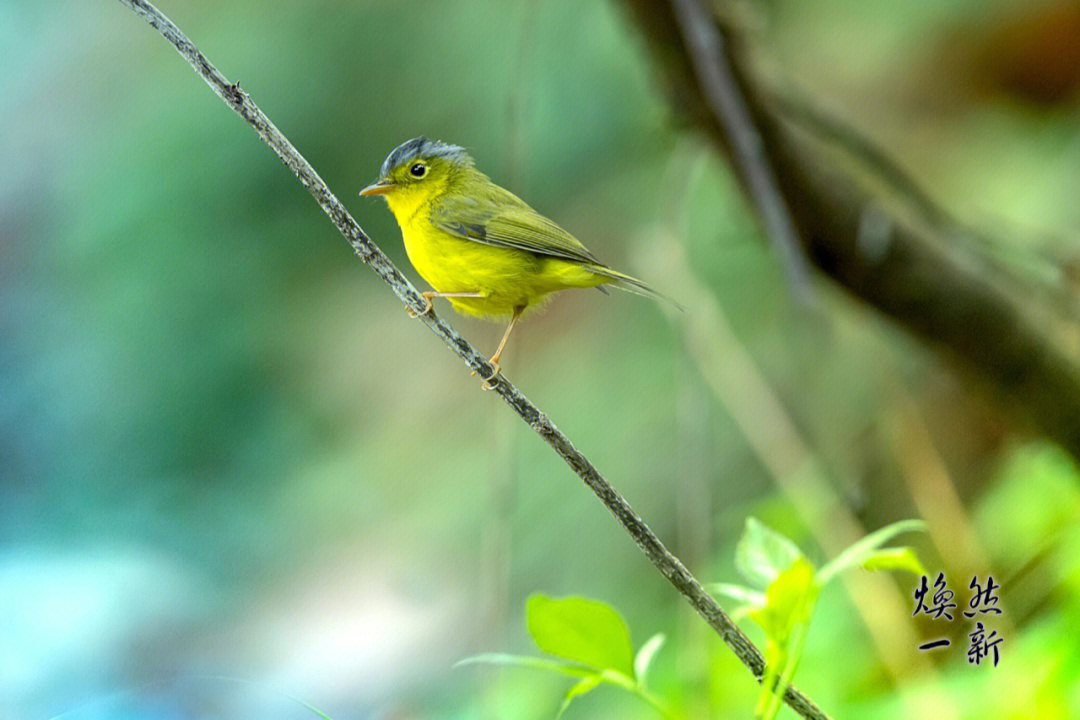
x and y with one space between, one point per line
478 245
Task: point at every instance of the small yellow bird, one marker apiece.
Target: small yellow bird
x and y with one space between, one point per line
478 245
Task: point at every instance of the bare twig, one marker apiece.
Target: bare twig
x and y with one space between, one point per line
725 101
658 555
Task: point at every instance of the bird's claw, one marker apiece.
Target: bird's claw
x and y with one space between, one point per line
495 370
428 307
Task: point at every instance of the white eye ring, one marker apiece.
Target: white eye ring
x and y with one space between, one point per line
418 170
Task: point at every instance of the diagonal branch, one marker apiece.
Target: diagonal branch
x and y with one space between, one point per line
1012 315
365 248
720 91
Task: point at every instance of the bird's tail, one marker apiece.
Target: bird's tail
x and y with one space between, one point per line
631 284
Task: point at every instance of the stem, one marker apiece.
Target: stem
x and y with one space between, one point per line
766 695
668 565
660 705
789 670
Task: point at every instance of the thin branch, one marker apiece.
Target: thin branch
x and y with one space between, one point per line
365 248
725 101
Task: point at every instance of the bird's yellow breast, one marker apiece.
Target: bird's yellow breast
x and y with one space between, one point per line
506 278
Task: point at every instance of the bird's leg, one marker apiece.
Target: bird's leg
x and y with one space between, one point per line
494 360
428 307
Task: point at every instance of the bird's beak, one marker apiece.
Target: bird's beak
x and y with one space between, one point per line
379 188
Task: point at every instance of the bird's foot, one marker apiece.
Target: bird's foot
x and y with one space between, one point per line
495 370
428 307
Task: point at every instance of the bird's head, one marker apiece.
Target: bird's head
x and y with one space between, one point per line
417 170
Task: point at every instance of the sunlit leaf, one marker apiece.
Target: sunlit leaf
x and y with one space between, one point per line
898 558
856 553
586 685
762 553
645 655
555 666
585 631
742 611
741 594
315 710
788 600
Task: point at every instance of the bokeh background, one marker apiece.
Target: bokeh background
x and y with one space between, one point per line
235 477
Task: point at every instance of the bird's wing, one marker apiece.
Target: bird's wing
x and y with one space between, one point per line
502 219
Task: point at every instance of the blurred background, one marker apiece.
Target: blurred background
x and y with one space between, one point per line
235 477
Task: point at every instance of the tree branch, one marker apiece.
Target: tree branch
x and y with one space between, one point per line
869 226
365 248
725 101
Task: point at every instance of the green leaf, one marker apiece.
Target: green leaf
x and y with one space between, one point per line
762 553
747 597
899 558
587 684
313 709
645 656
859 551
585 631
789 600
555 666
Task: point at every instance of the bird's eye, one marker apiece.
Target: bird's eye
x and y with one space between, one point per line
418 170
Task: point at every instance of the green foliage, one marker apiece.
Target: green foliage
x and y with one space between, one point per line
785 588
902 558
788 602
762 554
1035 496
585 631
644 657
592 642
866 552
556 666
